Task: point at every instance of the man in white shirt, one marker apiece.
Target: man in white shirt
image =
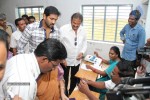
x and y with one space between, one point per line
23 70
21 25
3 57
73 37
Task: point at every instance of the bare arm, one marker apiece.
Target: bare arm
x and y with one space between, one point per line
103 60
62 90
100 85
102 73
83 87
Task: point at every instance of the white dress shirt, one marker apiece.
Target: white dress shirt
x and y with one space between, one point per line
20 77
67 37
15 38
109 84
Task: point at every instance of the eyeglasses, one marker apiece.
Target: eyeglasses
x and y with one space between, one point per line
75 39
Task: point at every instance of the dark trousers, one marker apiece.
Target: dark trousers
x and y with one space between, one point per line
73 79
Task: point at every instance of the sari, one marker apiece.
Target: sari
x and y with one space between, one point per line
48 86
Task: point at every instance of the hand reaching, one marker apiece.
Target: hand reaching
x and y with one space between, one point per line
83 86
89 67
96 53
80 55
141 69
64 97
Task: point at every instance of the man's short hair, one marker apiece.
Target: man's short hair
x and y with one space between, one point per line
51 10
51 48
136 14
26 16
125 68
2 16
4 38
31 17
77 16
17 20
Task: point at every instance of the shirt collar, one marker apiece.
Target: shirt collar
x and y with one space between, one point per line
136 26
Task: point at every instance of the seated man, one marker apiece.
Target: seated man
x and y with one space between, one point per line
23 70
110 84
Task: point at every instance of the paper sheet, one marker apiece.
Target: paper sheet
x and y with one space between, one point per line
83 66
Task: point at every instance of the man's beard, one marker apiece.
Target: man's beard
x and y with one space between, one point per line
49 25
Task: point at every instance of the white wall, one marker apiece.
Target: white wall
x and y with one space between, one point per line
102 48
66 7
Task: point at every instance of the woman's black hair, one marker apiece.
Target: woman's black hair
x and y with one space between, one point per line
116 50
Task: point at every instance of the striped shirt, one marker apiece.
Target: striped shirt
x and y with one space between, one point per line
20 77
34 34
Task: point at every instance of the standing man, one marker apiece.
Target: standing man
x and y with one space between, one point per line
37 32
21 25
133 37
25 18
31 19
22 70
4 26
73 37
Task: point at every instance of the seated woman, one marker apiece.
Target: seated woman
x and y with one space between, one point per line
114 55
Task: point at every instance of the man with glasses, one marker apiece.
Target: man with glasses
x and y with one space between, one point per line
23 70
73 37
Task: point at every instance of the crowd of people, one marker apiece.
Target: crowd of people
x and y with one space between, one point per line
38 61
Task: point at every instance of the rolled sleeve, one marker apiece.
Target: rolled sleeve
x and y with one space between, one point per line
109 84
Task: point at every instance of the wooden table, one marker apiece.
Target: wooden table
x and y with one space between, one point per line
89 75
80 96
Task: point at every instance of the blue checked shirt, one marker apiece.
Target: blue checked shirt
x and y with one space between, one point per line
34 34
134 40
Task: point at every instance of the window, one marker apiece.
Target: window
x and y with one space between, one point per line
104 22
37 12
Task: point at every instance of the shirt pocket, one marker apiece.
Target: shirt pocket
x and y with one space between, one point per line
133 36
